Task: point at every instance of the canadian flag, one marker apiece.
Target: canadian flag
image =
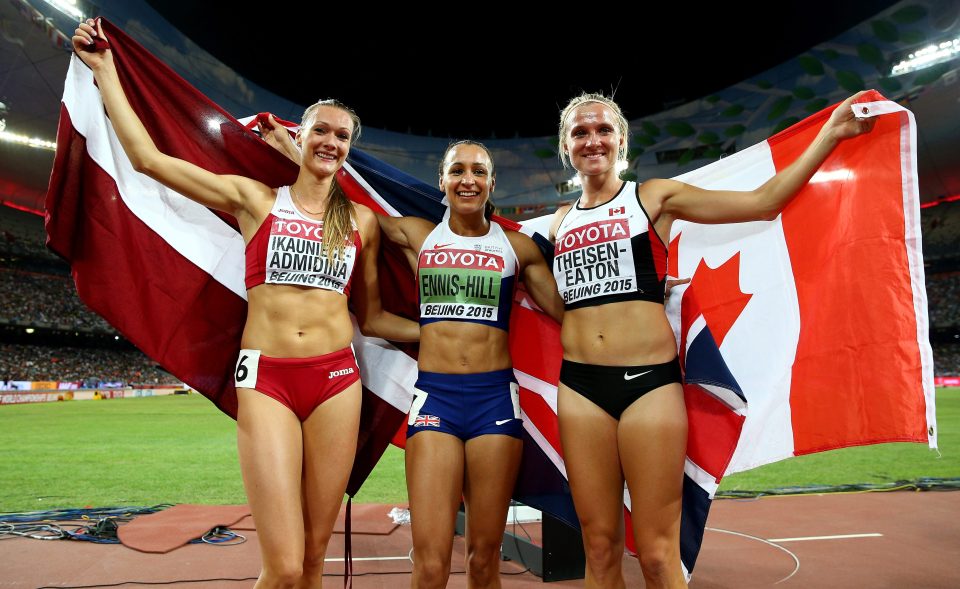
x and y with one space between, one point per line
808 332
801 334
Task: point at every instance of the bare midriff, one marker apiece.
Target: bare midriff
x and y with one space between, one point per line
459 347
296 322
631 333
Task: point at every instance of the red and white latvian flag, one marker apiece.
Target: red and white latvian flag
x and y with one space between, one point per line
166 271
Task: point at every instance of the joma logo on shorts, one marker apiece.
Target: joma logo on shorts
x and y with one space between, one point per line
336 373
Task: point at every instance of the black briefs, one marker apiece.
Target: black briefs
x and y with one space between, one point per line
614 388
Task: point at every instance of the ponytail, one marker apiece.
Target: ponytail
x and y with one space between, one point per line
337 222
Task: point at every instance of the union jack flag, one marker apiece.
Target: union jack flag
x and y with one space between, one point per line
427 421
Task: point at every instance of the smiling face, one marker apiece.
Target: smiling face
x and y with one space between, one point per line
592 140
467 178
325 141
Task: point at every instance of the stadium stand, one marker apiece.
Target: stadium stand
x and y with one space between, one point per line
90 367
940 225
946 359
36 291
943 298
46 332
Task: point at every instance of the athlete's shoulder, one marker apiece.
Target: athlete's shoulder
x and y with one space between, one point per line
419 223
564 208
558 217
363 211
517 238
255 193
366 221
525 249
658 188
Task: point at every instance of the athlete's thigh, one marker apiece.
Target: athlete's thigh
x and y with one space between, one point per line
269 441
653 443
329 445
493 461
589 438
434 465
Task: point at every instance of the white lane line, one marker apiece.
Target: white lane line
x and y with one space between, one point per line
767 542
838 537
358 559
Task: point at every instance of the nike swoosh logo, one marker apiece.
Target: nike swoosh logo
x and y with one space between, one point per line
437 246
502 421
628 376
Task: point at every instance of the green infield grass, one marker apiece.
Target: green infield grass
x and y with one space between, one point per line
181 449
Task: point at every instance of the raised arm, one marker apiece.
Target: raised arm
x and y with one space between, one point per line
221 192
407 232
678 200
537 276
365 295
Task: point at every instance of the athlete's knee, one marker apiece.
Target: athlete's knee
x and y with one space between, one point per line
431 570
483 563
283 574
659 559
603 549
313 560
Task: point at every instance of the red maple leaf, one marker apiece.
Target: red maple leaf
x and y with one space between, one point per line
715 293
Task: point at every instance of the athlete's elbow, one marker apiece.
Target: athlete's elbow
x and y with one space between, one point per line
144 163
769 202
368 326
770 214
139 164
367 330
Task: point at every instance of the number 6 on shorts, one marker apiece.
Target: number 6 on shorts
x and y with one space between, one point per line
245 375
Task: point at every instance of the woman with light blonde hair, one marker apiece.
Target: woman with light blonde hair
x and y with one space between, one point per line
308 249
620 401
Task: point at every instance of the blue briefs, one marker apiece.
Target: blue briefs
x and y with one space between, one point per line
466 405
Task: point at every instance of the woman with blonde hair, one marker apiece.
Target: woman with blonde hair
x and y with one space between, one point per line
308 249
620 401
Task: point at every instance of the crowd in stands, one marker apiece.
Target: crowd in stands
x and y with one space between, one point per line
943 299
22 236
37 297
940 227
87 366
44 300
946 359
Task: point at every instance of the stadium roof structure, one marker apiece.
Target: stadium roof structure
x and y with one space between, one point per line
498 79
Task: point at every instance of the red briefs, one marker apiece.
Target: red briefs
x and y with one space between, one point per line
301 384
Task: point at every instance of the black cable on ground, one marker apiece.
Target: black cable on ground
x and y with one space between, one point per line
516 542
97 525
